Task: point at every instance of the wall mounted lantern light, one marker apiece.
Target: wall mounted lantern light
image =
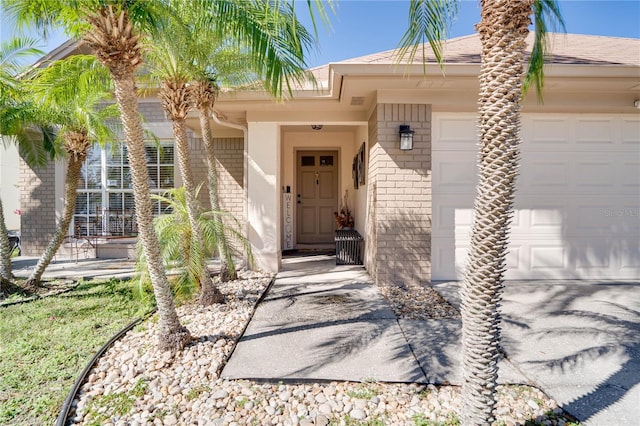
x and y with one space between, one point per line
406 137
317 126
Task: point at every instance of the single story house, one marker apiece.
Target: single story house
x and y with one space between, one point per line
286 166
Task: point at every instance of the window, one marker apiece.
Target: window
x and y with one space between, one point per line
106 185
326 160
308 160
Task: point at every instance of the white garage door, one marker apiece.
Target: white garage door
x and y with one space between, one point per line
577 210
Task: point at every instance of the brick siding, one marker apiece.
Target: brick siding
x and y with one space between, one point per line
37 205
37 194
230 167
399 223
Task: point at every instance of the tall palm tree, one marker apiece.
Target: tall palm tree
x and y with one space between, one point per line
69 95
203 95
114 31
236 56
169 62
503 28
11 52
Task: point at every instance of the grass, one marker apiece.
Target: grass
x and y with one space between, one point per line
421 420
350 421
117 403
364 391
44 344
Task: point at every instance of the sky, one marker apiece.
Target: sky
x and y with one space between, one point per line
361 27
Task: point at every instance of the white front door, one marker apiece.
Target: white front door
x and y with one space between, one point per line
316 196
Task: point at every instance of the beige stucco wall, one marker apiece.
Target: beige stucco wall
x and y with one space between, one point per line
263 193
359 196
9 180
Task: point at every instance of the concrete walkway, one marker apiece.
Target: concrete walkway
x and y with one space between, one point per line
71 269
320 321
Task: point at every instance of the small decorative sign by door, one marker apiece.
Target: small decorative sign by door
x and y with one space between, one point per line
287 228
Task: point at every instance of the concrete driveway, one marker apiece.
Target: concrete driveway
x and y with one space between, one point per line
579 341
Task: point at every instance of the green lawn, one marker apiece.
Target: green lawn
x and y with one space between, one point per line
46 343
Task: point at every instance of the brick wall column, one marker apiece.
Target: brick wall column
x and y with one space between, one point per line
38 207
399 223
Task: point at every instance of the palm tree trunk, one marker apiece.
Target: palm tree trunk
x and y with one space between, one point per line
74 167
209 294
173 335
227 269
5 250
503 28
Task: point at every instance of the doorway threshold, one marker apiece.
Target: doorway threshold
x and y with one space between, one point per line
303 250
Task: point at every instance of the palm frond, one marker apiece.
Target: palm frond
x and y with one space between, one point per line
429 22
13 51
275 41
546 15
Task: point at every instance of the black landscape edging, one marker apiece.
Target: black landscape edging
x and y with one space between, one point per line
64 411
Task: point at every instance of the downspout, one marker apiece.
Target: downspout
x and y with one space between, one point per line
215 115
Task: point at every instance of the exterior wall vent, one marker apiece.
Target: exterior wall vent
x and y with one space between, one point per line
357 100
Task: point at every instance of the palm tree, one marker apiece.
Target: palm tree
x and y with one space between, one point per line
240 59
113 29
175 234
169 62
503 28
10 93
203 95
69 95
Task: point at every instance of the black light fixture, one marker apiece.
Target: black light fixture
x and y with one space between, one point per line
317 126
406 137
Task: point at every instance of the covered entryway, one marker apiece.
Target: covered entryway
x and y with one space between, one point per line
317 196
576 209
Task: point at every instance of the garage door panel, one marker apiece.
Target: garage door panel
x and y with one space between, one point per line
456 133
595 131
448 218
551 219
547 257
443 258
629 255
629 176
577 205
610 218
544 175
545 133
630 129
595 175
589 258
455 173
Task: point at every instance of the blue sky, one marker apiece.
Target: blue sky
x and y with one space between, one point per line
361 27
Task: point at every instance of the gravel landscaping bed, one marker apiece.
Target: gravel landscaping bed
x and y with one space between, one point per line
417 302
133 384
